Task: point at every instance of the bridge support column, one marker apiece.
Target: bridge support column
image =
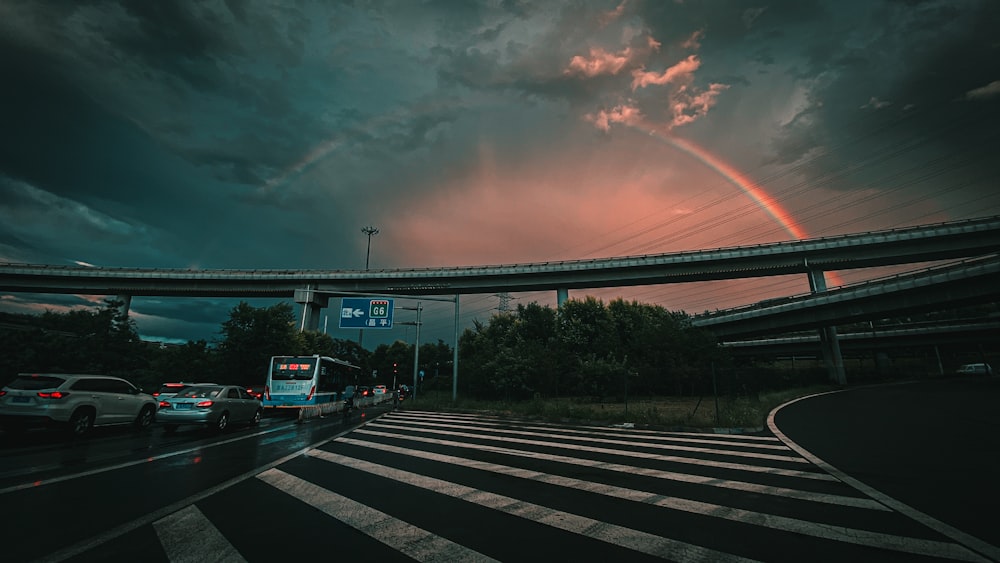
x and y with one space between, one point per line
126 304
829 343
562 294
312 304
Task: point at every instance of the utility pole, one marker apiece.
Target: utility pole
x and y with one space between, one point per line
369 230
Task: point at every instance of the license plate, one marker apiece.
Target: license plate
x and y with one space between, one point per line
20 399
183 406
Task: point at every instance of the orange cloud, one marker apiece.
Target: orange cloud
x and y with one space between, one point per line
625 114
607 17
689 105
682 71
599 63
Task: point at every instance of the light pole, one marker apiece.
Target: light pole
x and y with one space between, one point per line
369 230
416 345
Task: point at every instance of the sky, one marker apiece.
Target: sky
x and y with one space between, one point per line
267 134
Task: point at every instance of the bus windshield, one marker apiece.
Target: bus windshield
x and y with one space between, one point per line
293 368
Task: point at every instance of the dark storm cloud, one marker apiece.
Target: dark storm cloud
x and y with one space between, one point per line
900 85
249 134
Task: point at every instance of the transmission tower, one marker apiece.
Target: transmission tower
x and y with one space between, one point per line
504 305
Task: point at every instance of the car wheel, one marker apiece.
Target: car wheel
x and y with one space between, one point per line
222 422
81 422
145 417
256 418
169 428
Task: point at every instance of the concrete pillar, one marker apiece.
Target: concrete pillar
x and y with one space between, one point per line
312 305
126 303
562 294
829 343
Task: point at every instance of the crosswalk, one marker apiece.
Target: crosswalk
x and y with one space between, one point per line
459 487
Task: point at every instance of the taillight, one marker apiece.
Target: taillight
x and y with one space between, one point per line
311 391
267 392
52 394
2 393
203 404
164 404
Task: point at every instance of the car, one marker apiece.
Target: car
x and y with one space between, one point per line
256 391
171 389
364 391
378 390
215 407
975 369
76 402
168 390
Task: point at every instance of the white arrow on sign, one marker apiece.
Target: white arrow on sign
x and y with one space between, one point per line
348 312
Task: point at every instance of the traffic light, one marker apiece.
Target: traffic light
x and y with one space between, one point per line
394 368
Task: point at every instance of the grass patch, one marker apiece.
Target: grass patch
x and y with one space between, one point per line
669 412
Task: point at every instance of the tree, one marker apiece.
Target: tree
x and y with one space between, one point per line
192 361
251 336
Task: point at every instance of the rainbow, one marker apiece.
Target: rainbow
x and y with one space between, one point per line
316 154
780 215
747 186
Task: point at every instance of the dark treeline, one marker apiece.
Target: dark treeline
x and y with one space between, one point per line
587 348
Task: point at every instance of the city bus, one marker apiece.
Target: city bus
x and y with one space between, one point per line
299 381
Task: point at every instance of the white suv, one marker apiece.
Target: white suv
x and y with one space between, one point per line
78 402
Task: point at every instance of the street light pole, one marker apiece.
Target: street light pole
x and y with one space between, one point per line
416 344
369 230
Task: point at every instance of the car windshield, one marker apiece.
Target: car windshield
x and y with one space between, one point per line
199 392
33 382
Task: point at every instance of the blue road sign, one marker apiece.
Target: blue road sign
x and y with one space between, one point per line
365 312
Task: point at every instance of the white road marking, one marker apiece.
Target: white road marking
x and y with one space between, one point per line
187 536
641 455
610 533
967 540
630 443
760 442
784 492
406 538
782 523
95 541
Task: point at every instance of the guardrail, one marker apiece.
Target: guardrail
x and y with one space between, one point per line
315 411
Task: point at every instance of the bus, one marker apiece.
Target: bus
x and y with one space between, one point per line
299 381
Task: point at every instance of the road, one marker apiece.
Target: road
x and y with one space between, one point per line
932 446
410 485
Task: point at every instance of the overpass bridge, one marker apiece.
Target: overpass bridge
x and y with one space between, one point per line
943 241
863 341
313 288
945 286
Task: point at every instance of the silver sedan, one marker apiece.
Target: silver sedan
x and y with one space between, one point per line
213 406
